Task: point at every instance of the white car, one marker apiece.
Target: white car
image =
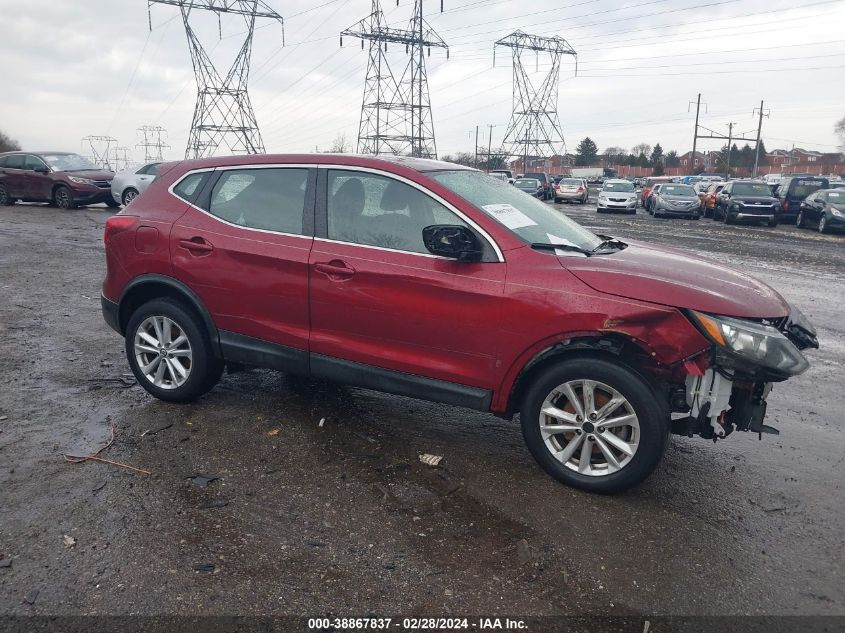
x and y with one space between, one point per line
130 183
617 195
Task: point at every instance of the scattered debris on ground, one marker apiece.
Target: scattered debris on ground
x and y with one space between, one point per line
201 480
431 460
78 459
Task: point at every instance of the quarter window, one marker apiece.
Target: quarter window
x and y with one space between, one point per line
374 210
190 185
15 161
270 199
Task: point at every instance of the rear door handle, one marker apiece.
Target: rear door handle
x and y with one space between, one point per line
196 245
334 268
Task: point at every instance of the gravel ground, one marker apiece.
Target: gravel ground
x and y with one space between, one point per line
341 517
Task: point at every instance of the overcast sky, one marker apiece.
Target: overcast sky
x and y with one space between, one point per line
71 68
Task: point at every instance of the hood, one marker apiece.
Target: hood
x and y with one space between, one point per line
92 174
676 278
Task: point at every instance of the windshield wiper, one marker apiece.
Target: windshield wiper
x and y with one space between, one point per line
610 242
563 247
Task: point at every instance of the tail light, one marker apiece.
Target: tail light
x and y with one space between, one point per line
580 189
786 205
117 224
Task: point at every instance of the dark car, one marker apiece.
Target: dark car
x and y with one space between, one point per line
432 280
546 181
671 199
792 191
63 179
741 200
531 186
824 210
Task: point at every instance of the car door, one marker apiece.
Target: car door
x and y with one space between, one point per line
809 208
384 311
723 199
242 247
14 177
37 180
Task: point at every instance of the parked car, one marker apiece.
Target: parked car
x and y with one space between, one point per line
531 186
746 200
824 209
648 184
130 183
617 195
792 190
571 190
63 179
671 199
506 173
431 280
708 197
548 187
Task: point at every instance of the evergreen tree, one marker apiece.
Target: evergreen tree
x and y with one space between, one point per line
586 153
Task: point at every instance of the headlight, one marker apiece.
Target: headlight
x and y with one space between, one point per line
836 212
760 344
81 181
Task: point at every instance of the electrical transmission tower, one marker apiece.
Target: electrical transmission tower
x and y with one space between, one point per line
396 113
534 129
151 139
223 114
99 149
120 158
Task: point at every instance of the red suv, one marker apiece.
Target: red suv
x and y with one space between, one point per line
63 179
431 280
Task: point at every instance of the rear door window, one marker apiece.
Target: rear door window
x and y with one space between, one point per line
271 199
33 162
15 161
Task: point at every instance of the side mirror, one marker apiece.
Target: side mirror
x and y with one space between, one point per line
453 241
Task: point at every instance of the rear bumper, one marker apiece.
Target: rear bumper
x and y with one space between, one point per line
569 195
111 314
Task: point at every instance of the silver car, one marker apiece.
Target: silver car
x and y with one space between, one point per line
669 199
571 189
130 183
617 195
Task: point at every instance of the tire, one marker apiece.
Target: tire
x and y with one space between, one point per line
727 217
649 429
63 198
823 224
112 203
772 223
799 219
203 370
5 199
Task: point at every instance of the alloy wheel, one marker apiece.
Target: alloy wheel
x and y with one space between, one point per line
590 427
799 221
822 224
129 196
63 198
4 197
163 352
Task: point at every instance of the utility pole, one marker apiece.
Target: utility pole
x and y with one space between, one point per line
728 161
695 134
489 145
476 147
396 111
757 145
223 113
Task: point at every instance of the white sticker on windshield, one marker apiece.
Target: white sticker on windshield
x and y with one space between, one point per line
509 215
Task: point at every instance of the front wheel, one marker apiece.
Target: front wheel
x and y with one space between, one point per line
63 198
823 224
129 195
799 220
169 352
594 425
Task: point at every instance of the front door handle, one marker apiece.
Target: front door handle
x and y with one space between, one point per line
196 245
335 269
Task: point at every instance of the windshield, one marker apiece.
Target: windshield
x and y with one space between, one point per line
678 190
618 186
68 162
752 189
572 182
836 198
527 217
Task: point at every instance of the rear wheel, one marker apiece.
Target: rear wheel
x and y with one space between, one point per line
63 198
169 352
594 425
5 199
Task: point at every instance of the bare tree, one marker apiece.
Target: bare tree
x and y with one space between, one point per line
641 149
839 128
340 145
613 155
7 143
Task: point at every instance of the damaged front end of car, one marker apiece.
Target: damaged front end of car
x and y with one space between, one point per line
726 389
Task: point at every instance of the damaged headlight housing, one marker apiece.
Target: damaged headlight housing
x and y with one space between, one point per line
756 343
